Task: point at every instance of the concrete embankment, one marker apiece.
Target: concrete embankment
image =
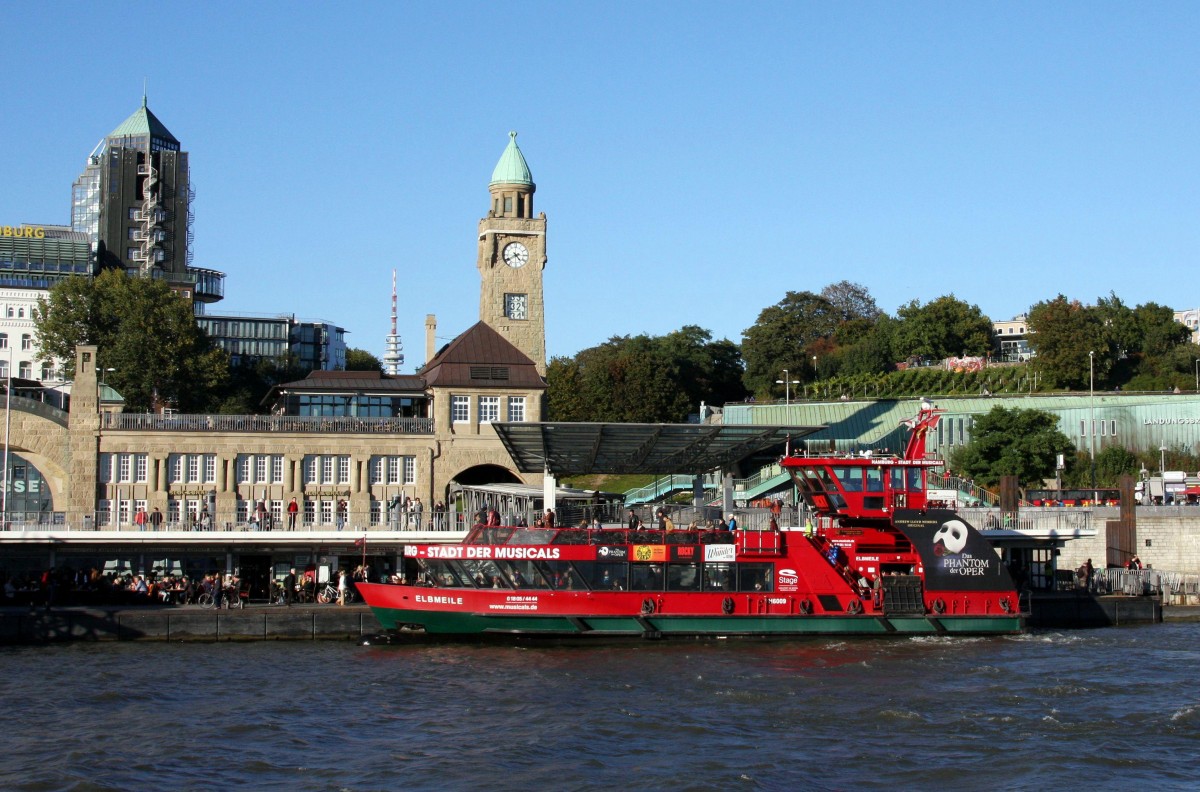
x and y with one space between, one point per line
186 623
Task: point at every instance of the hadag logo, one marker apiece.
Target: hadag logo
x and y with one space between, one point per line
788 577
950 539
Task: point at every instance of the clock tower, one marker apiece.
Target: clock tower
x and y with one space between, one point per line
512 255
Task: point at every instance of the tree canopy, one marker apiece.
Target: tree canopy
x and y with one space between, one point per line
644 379
362 360
1016 442
943 327
150 348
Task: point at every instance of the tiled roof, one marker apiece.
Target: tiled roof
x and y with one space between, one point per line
481 358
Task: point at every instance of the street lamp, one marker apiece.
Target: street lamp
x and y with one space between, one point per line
1092 412
1162 463
1197 375
787 387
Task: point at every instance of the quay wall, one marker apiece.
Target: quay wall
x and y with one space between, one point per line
26 625
1170 542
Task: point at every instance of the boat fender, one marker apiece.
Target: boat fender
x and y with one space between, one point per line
647 606
805 607
1005 605
727 605
854 608
939 606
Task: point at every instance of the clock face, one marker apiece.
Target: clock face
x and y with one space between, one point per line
516 306
515 255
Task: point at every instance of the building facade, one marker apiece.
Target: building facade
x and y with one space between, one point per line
342 436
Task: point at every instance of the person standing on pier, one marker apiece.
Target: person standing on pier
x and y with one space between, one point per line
155 519
289 586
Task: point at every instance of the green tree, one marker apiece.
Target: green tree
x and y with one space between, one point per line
644 378
145 333
1062 332
783 337
942 328
362 360
851 301
1016 442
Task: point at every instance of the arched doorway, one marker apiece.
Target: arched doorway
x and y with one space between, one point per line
28 494
478 475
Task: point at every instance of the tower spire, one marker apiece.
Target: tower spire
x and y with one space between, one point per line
393 356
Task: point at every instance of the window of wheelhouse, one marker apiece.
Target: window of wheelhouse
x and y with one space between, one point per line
850 477
755 577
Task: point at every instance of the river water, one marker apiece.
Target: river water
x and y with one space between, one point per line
1039 711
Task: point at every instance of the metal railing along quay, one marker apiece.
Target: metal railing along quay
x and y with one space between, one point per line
149 422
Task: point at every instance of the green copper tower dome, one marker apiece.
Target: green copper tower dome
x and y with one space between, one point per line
512 168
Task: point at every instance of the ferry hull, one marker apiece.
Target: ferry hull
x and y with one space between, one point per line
471 624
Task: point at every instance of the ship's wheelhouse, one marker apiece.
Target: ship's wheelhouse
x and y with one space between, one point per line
860 487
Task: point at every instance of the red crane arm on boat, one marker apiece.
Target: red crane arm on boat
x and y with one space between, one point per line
926 420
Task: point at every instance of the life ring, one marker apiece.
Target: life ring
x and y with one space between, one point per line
727 605
647 607
854 608
1005 605
939 606
805 607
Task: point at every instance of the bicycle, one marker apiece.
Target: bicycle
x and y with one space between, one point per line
330 594
230 598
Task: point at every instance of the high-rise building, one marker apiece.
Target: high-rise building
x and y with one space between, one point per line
134 201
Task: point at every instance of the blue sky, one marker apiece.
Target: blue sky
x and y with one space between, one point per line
695 160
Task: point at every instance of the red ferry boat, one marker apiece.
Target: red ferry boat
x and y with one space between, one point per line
877 558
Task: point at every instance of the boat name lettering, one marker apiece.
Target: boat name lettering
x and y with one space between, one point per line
965 565
436 600
486 552
776 600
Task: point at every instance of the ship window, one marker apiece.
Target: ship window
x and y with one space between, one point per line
718 577
851 477
874 480
755 577
441 573
532 536
646 577
562 575
605 576
914 480
482 574
683 577
523 574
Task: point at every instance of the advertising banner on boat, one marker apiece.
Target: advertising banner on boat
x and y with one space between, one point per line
719 553
954 554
